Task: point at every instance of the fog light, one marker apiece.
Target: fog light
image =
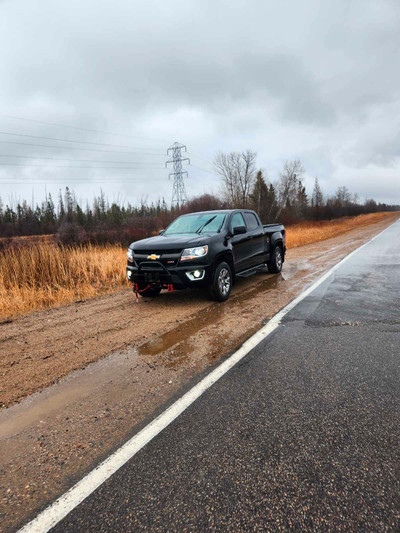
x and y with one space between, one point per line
196 275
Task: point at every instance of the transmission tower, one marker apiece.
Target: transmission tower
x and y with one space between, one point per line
178 190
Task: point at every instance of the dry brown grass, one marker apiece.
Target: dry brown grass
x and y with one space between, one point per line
44 275
308 232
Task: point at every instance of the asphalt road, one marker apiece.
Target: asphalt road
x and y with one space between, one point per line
303 433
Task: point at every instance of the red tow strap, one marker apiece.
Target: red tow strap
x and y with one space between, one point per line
136 290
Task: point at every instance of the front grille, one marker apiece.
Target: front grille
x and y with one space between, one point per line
168 258
157 252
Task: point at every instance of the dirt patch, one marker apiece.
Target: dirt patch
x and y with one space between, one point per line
157 347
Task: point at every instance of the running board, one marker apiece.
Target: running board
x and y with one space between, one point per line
250 271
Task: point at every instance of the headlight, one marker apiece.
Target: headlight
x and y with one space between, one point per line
130 255
194 253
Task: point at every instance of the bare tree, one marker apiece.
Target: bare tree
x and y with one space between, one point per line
288 184
343 197
237 171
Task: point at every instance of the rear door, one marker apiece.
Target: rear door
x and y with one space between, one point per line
256 232
241 244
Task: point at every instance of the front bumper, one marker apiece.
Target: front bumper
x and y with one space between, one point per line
155 273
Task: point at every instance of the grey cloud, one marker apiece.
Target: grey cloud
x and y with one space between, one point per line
294 79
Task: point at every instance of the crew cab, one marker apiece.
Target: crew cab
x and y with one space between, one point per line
206 249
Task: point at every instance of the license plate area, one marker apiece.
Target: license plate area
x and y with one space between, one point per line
152 277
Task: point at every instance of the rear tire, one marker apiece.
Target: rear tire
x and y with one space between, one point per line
148 292
222 282
276 261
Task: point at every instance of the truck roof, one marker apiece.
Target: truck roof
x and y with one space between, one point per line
216 211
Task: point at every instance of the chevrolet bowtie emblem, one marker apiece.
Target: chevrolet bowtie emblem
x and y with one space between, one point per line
153 257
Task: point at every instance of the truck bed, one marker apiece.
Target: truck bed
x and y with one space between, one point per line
271 228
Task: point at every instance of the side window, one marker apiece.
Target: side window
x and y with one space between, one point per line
237 220
251 221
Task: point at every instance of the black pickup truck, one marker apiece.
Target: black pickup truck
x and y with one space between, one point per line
210 248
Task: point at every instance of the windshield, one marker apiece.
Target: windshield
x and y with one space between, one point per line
200 223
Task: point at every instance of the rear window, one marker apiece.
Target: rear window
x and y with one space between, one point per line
251 221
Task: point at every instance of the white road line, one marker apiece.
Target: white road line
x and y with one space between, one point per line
71 499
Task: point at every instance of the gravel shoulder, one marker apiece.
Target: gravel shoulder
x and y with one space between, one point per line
113 363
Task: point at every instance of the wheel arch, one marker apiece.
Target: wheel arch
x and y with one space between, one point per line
277 240
226 256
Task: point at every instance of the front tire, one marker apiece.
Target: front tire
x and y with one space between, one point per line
276 261
222 282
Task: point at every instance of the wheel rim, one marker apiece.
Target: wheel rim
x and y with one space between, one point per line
278 256
224 281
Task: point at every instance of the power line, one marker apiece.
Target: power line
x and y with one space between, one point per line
71 166
78 128
77 181
77 160
55 179
57 124
201 157
203 169
80 149
78 142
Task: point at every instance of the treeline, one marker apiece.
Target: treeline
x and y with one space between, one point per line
242 185
98 223
286 199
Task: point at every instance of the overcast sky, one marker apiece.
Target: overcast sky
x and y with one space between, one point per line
318 81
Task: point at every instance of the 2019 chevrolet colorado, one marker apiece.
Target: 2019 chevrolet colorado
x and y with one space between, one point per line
209 248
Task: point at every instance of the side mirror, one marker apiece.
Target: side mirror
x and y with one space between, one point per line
239 230
161 232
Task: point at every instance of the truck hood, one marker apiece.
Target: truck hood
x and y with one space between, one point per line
165 242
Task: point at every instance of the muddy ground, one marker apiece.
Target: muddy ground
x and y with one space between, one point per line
153 350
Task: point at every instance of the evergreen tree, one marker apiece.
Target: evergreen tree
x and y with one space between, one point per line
301 202
273 204
115 215
317 200
48 221
263 199
69 204
80 216
61 209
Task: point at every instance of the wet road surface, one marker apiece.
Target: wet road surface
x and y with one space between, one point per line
303 433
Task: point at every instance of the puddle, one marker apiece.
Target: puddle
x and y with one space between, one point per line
74 388
209 316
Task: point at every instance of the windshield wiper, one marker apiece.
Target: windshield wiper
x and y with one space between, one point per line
220 226
200 229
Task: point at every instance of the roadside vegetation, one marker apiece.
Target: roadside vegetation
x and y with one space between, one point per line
42 275
46 275
309 232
